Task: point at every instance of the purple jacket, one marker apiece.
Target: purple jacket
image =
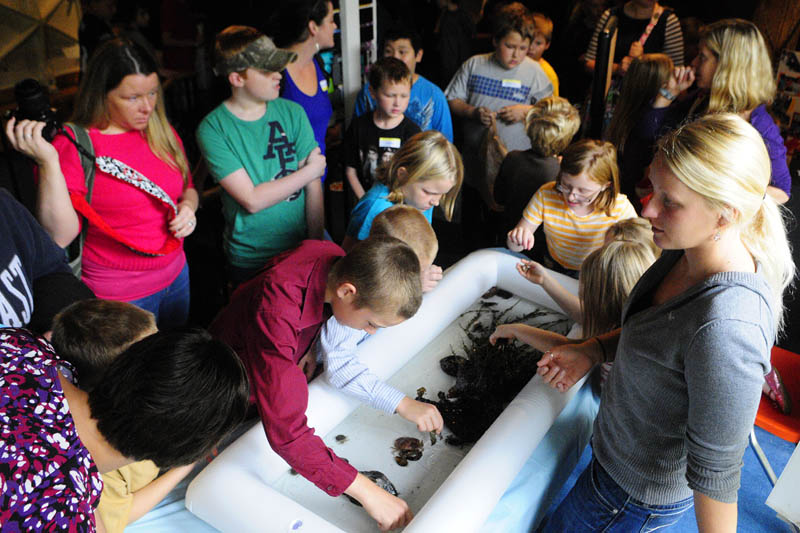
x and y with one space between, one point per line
656 122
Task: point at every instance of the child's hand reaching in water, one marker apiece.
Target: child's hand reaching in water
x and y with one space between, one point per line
426 416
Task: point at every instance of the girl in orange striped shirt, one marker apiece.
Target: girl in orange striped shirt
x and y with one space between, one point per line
577 208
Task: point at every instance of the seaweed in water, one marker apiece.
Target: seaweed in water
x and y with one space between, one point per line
487 376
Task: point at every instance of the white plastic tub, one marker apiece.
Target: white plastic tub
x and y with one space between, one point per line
248 487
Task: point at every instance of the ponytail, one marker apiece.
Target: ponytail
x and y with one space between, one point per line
723 159
765 238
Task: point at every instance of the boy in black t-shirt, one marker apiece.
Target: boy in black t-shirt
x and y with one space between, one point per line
372 138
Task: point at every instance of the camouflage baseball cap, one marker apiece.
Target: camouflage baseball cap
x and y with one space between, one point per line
261 54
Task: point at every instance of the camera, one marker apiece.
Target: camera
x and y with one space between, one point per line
33 104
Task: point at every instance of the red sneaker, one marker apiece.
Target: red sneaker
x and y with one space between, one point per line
777 392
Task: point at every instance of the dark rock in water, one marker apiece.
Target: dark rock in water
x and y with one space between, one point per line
496 291
452 440
504 294
381 480
451 364
341 438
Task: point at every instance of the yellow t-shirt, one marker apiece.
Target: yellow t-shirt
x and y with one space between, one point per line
551 74
570 237
116 499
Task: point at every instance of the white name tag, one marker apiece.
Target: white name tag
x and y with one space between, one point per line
389 142
512 84
323 84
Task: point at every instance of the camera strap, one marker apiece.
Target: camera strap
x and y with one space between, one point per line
75 248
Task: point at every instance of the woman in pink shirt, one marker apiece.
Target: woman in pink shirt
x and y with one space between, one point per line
142 203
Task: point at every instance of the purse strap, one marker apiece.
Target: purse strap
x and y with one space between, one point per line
121 171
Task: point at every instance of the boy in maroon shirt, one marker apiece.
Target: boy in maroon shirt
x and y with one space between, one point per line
272 321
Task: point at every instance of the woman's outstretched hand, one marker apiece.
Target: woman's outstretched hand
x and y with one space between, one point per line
563 366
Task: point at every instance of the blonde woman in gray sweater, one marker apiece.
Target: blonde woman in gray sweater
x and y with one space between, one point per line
694 344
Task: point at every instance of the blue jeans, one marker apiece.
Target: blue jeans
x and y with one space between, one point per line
170 305
597 503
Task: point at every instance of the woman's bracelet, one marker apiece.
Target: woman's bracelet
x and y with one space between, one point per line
602 348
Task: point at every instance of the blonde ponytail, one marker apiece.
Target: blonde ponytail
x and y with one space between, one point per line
765 238
723 158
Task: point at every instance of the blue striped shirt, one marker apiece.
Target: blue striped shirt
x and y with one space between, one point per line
336 348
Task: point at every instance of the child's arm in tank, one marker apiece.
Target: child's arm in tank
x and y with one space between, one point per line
521 237
254 198
352 178
344 370
389 511
538 338
315 210
568 302
426 416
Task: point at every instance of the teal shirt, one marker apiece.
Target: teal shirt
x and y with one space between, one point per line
371 205
268 148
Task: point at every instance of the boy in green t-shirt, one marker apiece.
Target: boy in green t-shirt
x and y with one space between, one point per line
261 150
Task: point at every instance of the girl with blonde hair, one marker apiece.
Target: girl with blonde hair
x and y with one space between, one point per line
733 74
577 208
607 276
694 345
425 172
646 75
141 203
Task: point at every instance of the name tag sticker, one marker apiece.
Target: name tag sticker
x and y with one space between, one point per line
323 84
512 84
389 142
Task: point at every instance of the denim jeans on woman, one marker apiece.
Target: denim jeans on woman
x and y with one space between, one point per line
597 503
170 305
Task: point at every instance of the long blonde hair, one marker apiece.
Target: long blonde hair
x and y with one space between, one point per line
646 75
111 62
744 78
426 156
607 277
723 159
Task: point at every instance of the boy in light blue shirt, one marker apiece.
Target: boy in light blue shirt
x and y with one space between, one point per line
427 105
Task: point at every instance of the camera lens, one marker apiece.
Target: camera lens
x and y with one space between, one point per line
32 100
